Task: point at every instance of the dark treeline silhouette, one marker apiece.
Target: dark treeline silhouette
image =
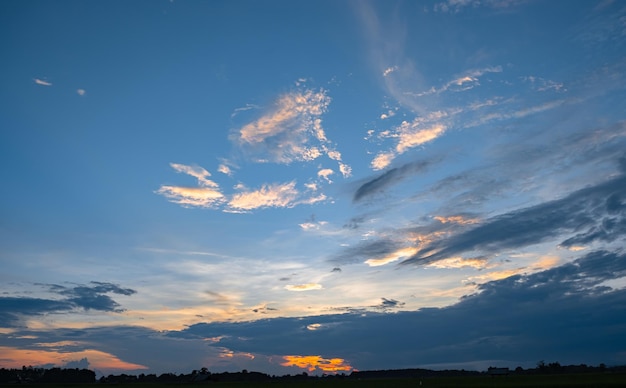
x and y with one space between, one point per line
58 375
42 375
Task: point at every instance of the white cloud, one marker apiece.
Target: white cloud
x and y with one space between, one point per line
390 113
42 82
312 225
411 135
325 173
80 92
389 70
382 160
224 169
345 170
403 253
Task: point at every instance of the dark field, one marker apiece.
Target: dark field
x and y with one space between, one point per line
591 380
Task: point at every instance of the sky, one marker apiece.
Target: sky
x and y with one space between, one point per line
312 186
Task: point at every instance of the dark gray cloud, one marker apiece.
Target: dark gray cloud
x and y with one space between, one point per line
388 304
592 214
92 297
390 178
12 308
565 314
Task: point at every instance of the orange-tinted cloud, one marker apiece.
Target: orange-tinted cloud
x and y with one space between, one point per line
303 287
313 363
456 220
275 195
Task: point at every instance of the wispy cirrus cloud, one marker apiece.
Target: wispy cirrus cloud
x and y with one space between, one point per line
465 81
454 6
243 109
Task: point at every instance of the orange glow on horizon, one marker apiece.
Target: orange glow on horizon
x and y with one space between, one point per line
16 358
311 363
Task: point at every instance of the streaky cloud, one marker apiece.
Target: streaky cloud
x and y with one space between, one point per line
389 178
594 213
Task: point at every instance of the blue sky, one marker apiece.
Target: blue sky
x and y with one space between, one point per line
312 186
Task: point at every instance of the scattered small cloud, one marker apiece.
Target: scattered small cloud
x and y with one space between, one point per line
389 70
325 173
312 225
42 82
388 114
382 160
224 169
81 92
